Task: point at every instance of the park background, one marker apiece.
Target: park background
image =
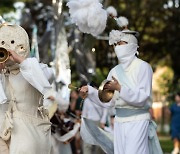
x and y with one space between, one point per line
80 58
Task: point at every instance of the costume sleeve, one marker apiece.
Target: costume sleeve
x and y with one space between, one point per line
85 108
3 97
137 96
104 116
93 96
48 72
62 103
32 72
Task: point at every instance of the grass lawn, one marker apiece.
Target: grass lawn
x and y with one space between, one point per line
166 144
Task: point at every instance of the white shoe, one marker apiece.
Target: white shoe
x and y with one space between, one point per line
175 151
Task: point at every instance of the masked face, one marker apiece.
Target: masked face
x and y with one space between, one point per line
14 37
125 53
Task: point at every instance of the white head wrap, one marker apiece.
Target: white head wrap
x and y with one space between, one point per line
125 53
125 35
116 36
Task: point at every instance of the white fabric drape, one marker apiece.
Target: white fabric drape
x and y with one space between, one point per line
3 97
36 74
93 111
32 72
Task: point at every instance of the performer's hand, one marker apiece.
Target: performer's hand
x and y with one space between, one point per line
83 91
78 120
113 85
102 125
15 57
2 65
67 142
51 98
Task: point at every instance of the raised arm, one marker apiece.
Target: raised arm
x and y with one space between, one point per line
92 94
32 72
48 72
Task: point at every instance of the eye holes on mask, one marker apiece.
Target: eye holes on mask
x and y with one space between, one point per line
12 41
2 42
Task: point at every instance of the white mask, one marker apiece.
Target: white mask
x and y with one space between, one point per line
126 53
14 37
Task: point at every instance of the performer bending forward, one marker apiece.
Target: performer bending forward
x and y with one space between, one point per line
132 82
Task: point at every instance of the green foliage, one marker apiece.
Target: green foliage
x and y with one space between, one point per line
6 6
101 74
165 80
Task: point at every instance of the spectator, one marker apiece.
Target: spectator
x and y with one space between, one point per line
175 124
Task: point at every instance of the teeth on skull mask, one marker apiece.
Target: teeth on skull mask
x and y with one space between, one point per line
14 37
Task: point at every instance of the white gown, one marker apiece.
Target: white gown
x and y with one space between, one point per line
31 132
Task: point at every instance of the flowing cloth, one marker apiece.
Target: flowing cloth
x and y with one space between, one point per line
92 134
69 135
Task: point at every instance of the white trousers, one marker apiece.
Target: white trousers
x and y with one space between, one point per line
131 137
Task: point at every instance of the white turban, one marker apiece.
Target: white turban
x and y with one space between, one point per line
116 36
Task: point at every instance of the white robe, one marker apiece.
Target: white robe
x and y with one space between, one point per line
130 134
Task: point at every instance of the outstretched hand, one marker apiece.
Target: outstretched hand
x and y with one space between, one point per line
13 56
113 85
83 91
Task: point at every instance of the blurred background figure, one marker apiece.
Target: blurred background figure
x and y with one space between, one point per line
75 108
99 115
73 98
110 128
64 124
175 124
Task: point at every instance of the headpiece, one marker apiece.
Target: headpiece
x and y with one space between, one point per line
125 35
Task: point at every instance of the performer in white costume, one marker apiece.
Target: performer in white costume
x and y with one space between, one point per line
23 84
57 107
99 116
131 80
94 112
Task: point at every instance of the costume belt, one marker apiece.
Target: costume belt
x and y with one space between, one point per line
125 112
